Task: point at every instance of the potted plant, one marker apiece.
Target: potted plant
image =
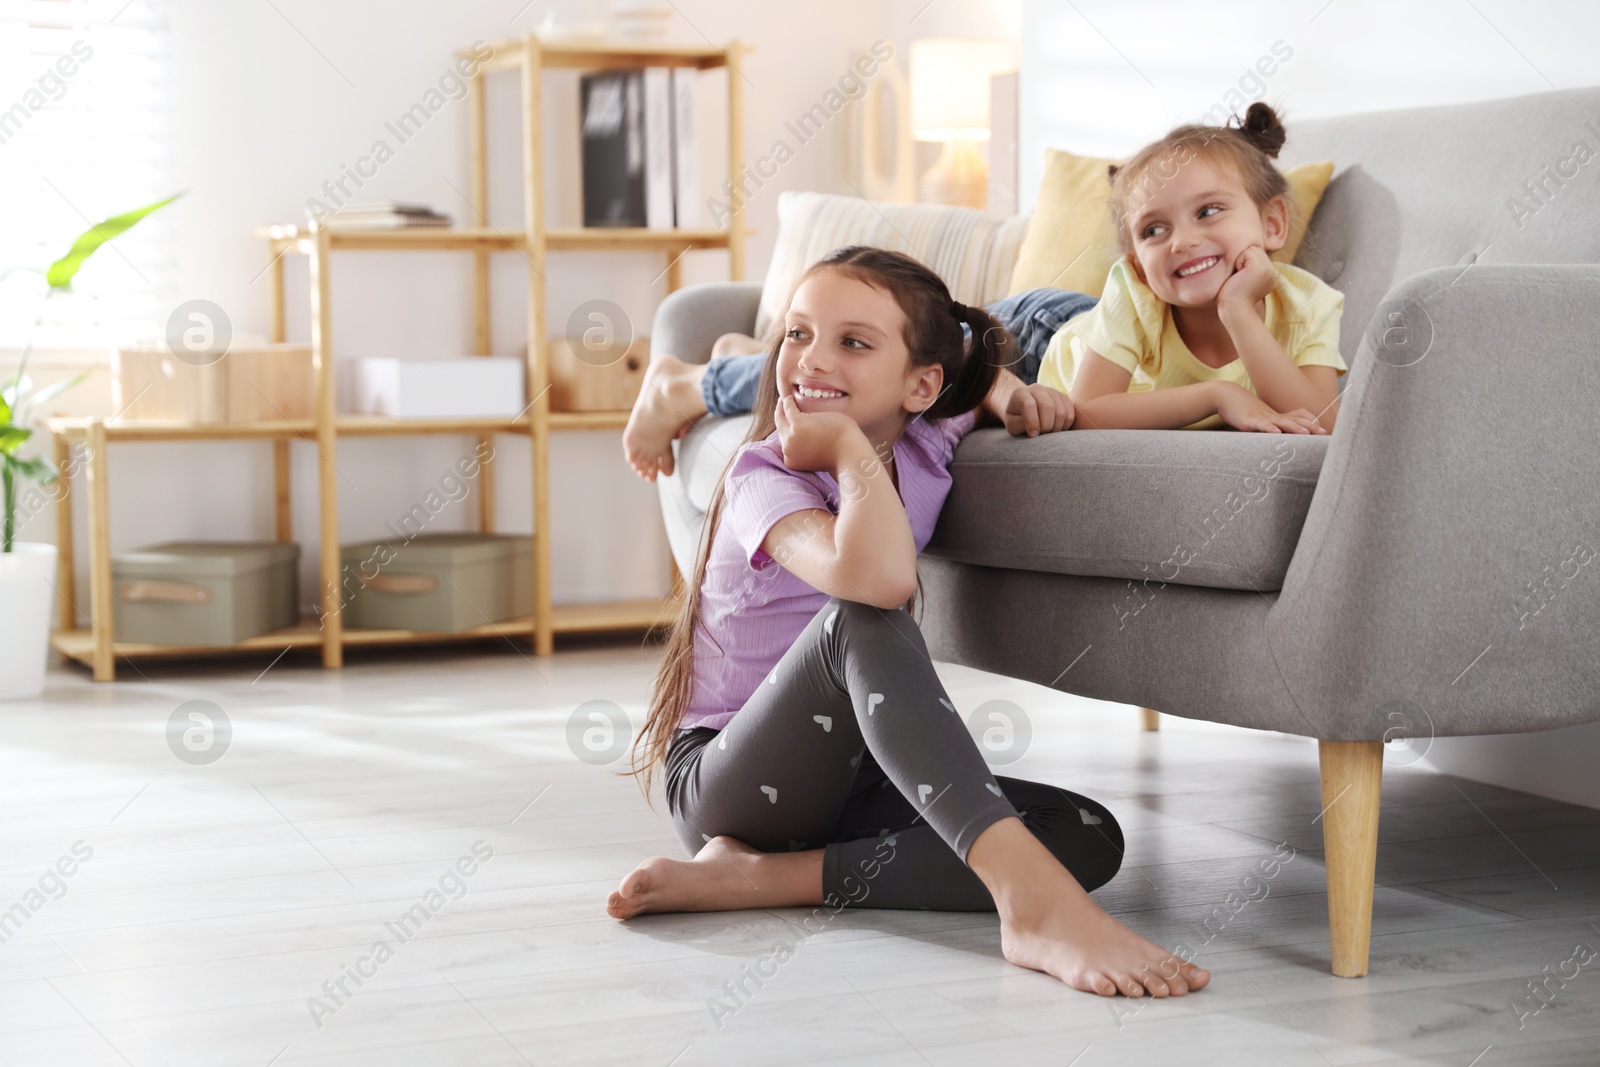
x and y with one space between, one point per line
27 568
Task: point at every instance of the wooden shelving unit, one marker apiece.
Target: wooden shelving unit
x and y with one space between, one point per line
96 645
460 239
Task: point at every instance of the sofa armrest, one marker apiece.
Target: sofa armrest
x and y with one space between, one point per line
687 323
1446 580
690 320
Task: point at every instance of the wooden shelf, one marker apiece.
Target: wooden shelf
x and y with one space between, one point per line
415 238
588 420
643 614
79 644
529 58
614 615
77 429
381 426
624 238
463 239
511 52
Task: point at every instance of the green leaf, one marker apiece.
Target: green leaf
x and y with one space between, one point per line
11 438
16 387
61 272
5 411
36 468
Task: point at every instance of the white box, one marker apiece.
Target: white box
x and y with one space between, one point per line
464 387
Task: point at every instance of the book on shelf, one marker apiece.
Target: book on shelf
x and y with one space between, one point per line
685 150
639 154
387 207
393 215
613 149
656 86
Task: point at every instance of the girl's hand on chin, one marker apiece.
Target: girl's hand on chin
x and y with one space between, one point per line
814 441
1253 277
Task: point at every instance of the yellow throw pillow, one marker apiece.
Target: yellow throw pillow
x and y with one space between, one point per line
1071 244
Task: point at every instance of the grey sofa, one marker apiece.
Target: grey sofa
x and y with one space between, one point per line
1428 569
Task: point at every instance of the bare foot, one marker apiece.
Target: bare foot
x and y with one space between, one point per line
725 875
1076 941
669 402
1048 923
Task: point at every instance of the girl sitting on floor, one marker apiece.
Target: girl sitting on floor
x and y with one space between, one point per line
811 754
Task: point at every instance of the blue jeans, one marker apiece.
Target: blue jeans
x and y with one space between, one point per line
1031 317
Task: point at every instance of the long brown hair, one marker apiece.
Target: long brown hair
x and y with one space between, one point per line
933 334
1247 148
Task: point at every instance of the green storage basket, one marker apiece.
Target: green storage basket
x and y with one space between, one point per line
436 583
204 592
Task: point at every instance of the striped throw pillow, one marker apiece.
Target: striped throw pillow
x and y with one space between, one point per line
973 251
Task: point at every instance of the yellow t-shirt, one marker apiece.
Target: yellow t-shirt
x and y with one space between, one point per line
1134 329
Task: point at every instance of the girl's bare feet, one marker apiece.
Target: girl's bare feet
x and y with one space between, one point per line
725 875
669 402
1048 923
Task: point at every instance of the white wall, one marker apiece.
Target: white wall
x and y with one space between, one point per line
1107 76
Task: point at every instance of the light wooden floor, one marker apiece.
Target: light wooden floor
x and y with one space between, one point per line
219 899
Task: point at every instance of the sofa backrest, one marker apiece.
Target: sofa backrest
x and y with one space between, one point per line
1501 181
973 251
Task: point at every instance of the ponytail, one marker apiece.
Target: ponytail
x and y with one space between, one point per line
1262 129
991 349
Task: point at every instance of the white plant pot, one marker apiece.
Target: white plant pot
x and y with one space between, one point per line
26 594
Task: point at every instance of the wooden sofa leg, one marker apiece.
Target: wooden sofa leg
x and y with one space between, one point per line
1149 719
1352 780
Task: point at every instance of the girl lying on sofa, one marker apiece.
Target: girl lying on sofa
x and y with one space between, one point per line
1196 328
811 755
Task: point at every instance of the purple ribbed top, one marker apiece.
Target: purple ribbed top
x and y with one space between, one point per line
751 609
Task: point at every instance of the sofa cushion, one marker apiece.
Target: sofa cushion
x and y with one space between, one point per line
1216 509
1071 243
973 251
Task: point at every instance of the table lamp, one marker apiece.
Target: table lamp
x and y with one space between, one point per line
950 103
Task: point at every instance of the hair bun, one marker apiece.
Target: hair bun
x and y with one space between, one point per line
1262 128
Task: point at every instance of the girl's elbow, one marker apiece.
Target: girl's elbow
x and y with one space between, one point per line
898 593
891 591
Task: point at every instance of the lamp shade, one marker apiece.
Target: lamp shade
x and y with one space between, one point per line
950 86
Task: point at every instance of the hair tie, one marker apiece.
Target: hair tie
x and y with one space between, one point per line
959 310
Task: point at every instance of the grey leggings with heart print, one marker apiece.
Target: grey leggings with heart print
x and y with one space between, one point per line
851 745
